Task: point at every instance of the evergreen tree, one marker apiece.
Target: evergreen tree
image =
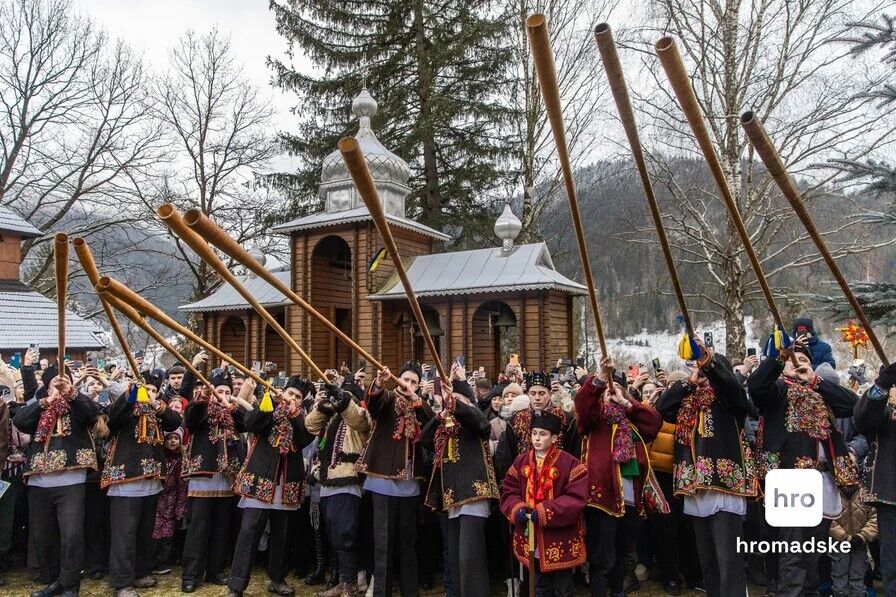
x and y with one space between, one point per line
437 71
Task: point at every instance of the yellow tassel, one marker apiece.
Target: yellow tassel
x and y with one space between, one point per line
452 450
779 338
684 349
142 394
267 405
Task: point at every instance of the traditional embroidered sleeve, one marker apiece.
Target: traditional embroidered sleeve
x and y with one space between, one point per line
195 414
587 404
513 494
646 419
566 509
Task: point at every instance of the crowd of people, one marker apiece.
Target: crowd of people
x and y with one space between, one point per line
357 483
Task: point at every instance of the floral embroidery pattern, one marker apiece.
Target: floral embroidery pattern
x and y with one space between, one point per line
86 457
804 462
292 493
807 413
485 488
151 466
48 462
448 497
768 461
113 473
254 486
684 476
730 474
704 468
846 473
695 408
191 464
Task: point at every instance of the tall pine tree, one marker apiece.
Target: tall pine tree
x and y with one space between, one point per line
437 70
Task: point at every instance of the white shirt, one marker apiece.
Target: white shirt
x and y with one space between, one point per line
137 488
707 502
628 491
58 479
349 489
479 508
831 506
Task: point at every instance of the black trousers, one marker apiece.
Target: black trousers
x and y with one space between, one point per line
607 539
208 541
723 567
342 513
886 524
798 572
132 519
672 536
467 563
96 529
555 584
251 529
56 532
394 532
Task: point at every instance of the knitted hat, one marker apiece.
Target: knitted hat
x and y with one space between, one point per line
512 387
546 420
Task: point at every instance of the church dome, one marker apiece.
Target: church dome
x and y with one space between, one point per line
385 166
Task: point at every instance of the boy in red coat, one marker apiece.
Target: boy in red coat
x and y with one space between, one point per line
548 487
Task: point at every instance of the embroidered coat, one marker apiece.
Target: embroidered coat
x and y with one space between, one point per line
598 436
69 446
516 437
711 450
266 467
211 448
876 420
136 448
796 417
341 438
395 438
560 531
463 470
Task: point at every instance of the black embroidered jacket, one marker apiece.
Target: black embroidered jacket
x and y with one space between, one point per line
69 446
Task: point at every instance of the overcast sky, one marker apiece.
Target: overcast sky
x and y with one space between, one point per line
153 26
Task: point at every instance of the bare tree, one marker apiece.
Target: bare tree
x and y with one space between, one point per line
778 58
571 23
221 124
75 132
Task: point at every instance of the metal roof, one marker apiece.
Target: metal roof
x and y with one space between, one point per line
13 223
526 267
30 317
227 298
358 214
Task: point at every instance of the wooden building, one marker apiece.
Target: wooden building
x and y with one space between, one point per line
484 304
28 317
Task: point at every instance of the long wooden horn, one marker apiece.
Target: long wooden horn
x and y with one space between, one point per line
607 47
670 58
540 42
141 322
129 297
85 256
216 235
172 218
357 167
60 256
763 145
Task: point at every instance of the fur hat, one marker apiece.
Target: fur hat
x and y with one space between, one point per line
301 384
546 420
801 325
221 377
150 378
413 367
538 378
463 388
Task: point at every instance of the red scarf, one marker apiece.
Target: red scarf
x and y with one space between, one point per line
50 415
807 411
623 446
281 434
406 425
220 421
697 402
541 479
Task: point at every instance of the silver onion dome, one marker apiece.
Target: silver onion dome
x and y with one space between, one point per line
507 228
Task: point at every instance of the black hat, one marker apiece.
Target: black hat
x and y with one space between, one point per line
301 384
221 377
538 378
546 420
801 325
49 373
150 378
413 367
619 378
463 388
802 348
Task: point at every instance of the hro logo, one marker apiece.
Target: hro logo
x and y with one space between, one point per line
793 497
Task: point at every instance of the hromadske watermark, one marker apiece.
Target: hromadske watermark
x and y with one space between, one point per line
793 497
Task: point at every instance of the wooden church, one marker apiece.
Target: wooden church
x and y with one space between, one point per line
484 304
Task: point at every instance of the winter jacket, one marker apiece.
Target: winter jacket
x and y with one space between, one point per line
662 450
876 420
857 519
341 439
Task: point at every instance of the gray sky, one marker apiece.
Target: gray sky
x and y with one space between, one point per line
151 27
